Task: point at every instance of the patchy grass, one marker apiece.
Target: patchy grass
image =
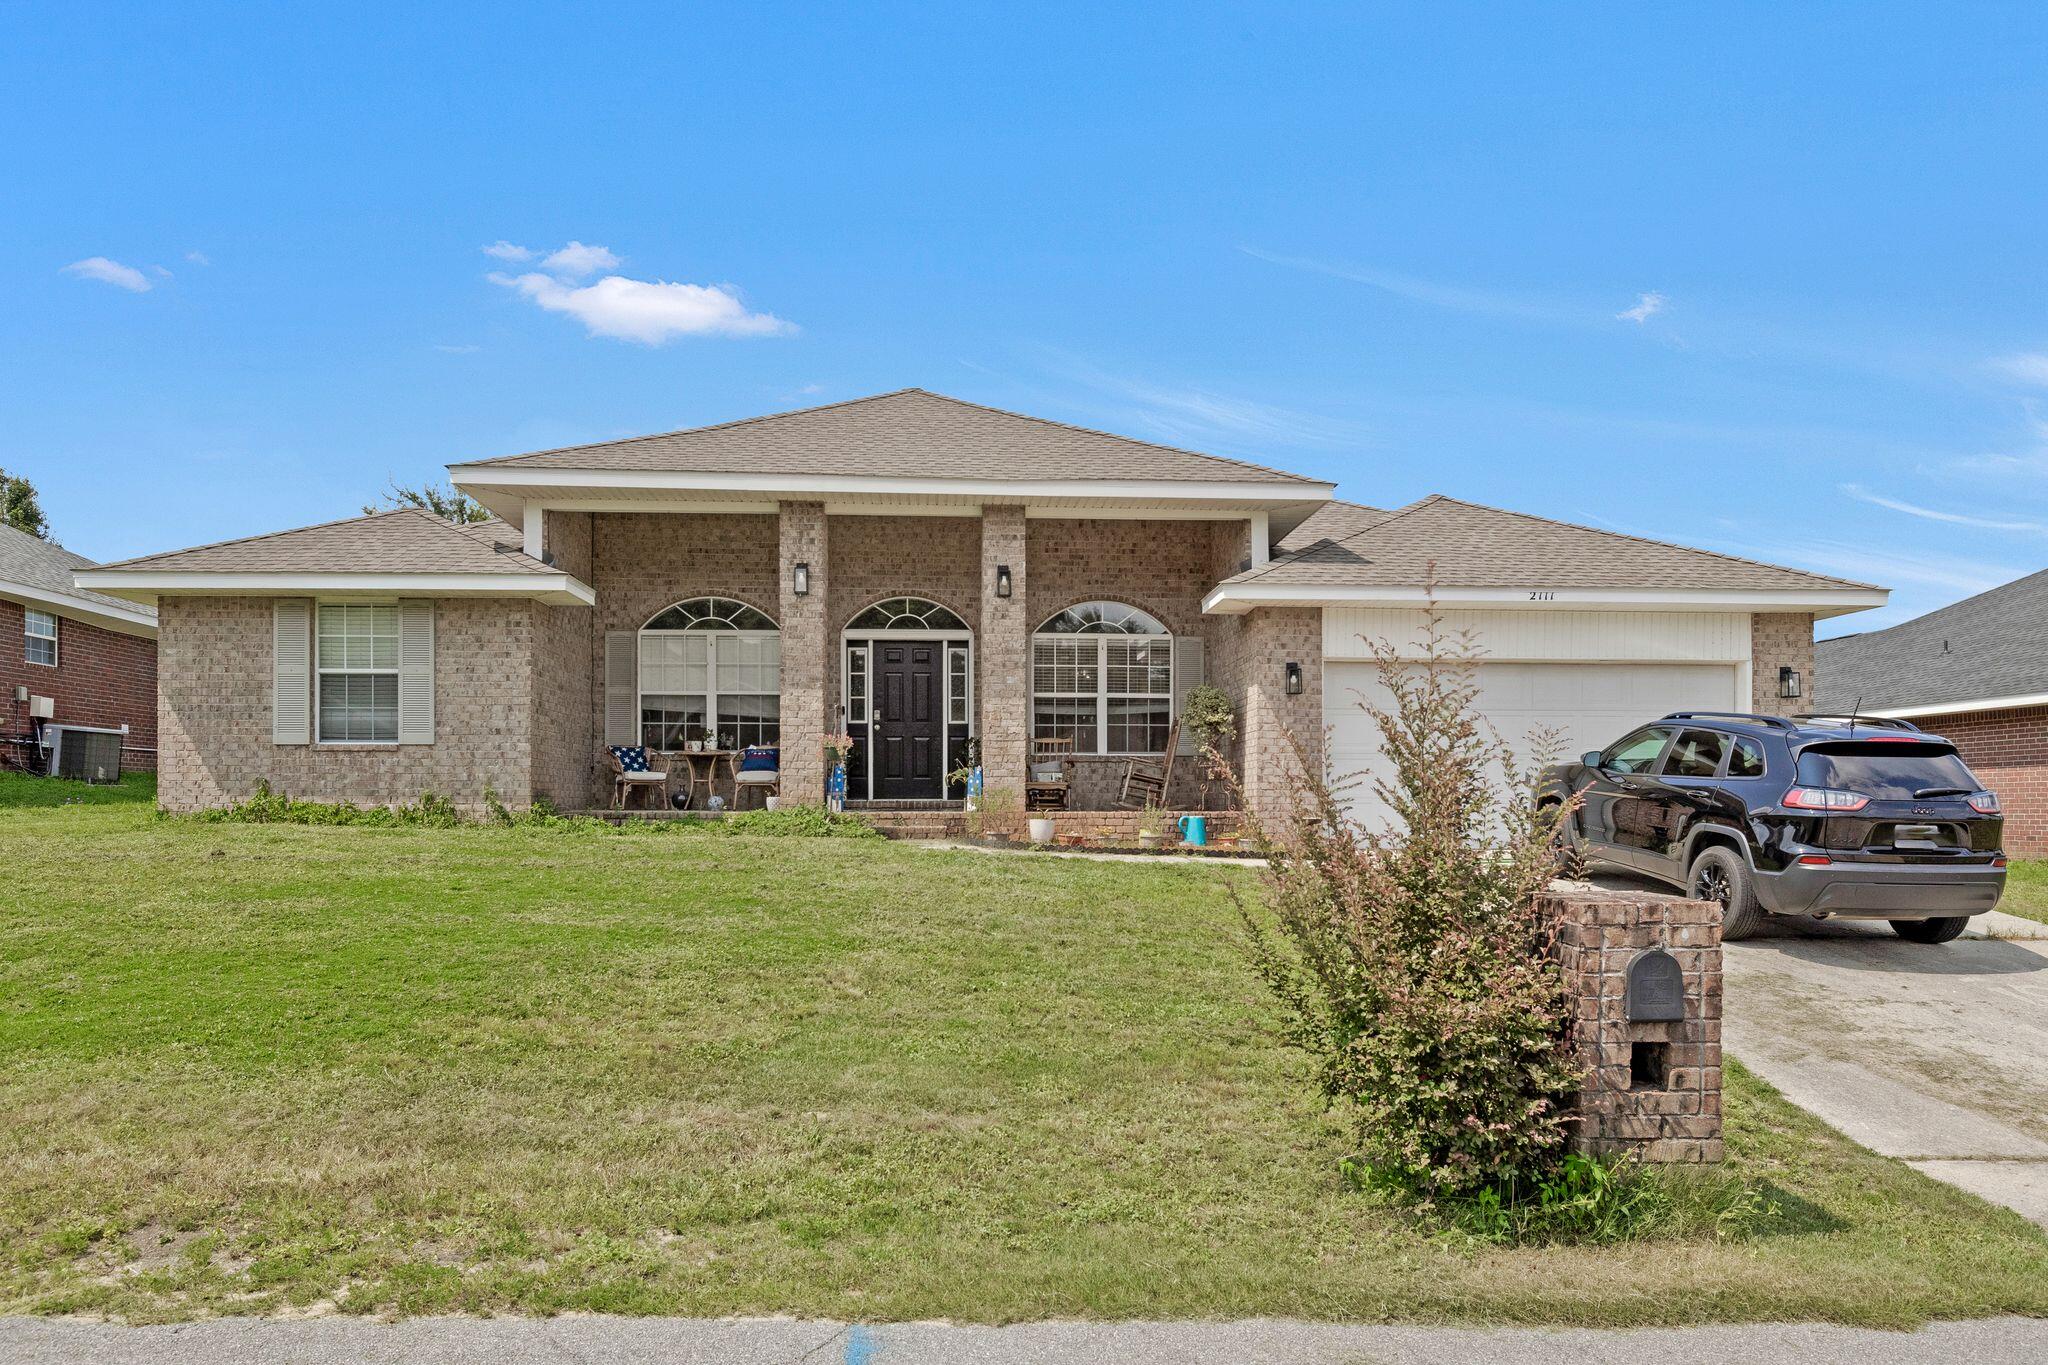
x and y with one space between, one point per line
19 791
2026 889
276 1068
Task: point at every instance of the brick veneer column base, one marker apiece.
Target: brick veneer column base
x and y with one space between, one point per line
1004 651
1619 1110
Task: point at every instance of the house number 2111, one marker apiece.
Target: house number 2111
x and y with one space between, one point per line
1542 596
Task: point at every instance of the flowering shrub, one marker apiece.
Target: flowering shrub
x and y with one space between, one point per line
1413 964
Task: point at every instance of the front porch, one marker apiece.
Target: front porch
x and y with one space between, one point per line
925 639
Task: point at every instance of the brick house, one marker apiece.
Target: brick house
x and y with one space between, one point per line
93 657
917 571
1973 672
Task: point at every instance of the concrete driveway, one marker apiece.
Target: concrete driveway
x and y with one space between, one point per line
1934 1054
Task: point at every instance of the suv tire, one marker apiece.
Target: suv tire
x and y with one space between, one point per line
1938 930
1720 874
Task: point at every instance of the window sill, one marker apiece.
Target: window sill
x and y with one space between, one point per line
38 663
356 744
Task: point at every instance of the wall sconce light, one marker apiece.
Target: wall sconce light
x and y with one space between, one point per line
1002 580
800 580
1788 682
20 694
1293 678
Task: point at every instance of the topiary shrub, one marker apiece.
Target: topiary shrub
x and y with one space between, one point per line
1414 968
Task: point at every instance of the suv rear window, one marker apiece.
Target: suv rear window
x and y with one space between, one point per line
1885 771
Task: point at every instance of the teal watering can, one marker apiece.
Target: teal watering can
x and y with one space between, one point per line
1194 829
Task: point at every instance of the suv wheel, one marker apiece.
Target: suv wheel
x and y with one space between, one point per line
1938 930
1720 874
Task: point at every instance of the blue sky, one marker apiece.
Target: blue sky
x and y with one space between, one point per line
1765 282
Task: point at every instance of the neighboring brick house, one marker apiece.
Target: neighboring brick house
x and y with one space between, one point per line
918 572
1974 672
92 656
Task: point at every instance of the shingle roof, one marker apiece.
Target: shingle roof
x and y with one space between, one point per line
1332 521
1992 645
907 434
406 540
33 563
1476 546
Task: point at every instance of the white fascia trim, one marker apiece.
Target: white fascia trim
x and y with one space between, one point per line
1233 599
143 585
467 477
108 615
1952 707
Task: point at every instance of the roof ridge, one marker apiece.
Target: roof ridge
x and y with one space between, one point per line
708 426
901 393
1646 540
266 535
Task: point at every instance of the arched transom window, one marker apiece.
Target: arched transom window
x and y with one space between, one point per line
906 613
1102 675
710 669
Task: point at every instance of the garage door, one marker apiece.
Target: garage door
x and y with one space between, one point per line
1590 705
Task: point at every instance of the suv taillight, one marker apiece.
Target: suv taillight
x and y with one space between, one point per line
1823 798
1984 803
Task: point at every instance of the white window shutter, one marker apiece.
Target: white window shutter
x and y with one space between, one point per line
416 671
291 671
621 687
1187 672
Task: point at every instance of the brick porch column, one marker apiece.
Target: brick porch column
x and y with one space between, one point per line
806 653
1004 651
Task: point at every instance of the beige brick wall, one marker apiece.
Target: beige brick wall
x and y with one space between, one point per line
938 558
214 711
1778 639
1274 729
809 654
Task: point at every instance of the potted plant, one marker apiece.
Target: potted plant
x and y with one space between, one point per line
837 749
1041 829
996 816
1208 715
1150 831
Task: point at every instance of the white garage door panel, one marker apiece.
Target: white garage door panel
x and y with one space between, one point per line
1589 705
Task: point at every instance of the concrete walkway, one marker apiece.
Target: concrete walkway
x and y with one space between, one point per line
778 1341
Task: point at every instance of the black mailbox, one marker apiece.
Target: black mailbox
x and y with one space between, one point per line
1656 988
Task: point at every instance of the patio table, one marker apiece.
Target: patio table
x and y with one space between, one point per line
701 765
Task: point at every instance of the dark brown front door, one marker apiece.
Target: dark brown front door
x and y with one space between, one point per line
910 724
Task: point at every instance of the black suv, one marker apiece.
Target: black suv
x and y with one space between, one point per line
1816 815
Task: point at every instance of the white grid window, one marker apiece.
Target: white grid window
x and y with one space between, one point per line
1102 676
956 685
357 653
857 685
709 671
39 638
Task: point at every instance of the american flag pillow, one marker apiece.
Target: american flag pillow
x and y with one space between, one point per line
632 758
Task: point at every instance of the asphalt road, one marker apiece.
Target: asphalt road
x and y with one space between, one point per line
614 1341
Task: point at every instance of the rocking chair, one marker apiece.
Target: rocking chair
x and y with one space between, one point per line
1146 779
1048 779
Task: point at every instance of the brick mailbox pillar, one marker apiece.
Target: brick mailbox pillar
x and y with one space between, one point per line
1644 972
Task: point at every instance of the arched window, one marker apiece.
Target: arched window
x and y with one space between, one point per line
710 669
1102 675
906 613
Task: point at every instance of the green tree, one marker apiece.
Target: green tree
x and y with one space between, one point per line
443 502
19 508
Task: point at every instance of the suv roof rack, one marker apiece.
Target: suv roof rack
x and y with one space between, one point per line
1775 722
1875 722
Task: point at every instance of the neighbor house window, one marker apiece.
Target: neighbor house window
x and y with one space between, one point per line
357 654
710 669
39 638
1102 676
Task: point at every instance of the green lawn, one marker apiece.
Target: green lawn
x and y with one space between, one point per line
2026 890
266 1068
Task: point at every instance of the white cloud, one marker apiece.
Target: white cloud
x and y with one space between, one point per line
198 258
577 260
1647 306
505 251
1931 514
161 272
647 311
2026 367
109 272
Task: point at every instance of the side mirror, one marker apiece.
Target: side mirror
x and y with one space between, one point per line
1591 758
